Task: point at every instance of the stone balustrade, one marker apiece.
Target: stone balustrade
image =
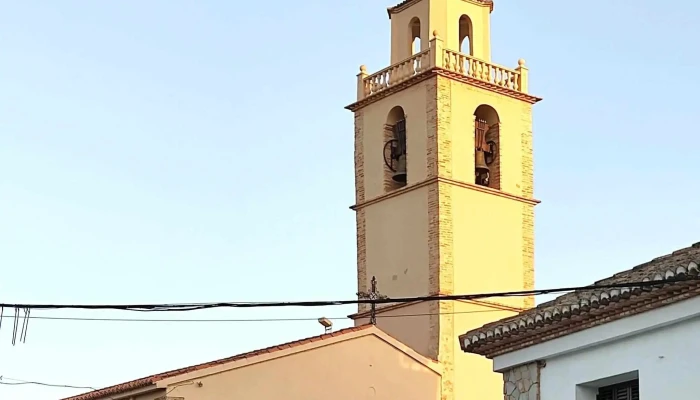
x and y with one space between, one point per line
392 75
437 57
484 71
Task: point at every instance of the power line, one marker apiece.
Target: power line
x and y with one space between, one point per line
20 382
246 319
169 307
27 308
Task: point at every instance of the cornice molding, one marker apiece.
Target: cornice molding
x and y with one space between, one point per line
408 3
449 181
382 308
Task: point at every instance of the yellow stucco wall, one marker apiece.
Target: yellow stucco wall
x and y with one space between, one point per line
473 375
487 232
442 16
441 233
413 102
397 231
361 368
410 323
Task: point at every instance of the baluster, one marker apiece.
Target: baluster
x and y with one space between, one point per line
510 80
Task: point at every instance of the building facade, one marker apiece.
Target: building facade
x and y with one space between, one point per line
444 183
622 343
350 364
444 189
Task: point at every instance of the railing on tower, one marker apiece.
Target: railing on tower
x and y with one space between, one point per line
438 57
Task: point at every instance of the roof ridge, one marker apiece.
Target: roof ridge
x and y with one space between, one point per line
148 380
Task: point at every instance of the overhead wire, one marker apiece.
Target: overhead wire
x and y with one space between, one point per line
170 307
371 298
20 382
215 320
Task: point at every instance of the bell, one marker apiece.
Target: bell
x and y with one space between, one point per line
480 163
481 170
400 174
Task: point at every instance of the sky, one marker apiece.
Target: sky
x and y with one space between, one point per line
180 151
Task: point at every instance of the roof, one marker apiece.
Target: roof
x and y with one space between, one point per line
587 308
407 3
149 380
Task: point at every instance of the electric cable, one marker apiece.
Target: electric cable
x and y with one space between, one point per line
20 382
215 320
171 307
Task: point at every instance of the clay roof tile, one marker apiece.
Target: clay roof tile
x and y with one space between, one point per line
584 308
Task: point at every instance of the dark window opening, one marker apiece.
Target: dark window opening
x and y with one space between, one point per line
622 391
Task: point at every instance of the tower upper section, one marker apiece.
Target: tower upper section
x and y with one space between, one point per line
464 25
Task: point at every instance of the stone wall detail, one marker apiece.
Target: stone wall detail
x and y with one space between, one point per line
360 214
522 382
527 181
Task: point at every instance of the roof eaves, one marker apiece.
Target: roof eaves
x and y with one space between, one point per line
676 272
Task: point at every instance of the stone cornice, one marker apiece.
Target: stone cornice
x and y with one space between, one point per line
448 74
408 3
382 308
449 181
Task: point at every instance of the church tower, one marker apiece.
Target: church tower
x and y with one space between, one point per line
444 185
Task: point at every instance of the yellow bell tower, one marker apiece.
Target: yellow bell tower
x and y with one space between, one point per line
444 185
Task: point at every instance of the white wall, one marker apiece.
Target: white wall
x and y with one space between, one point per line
668 361
663 346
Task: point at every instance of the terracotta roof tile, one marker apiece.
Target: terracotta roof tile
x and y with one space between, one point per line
149 380
587 308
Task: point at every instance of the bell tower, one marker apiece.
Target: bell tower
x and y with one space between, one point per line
444 185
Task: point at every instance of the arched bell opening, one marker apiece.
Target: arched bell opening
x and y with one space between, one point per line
466 35
414 34
487 169
395 168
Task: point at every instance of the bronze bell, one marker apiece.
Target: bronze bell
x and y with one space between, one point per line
481 169
400 174
480 163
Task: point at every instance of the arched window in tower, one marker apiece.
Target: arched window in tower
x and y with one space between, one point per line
414 34
395 171
466 32
487 168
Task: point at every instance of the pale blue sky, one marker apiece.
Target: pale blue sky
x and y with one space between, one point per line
171 151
